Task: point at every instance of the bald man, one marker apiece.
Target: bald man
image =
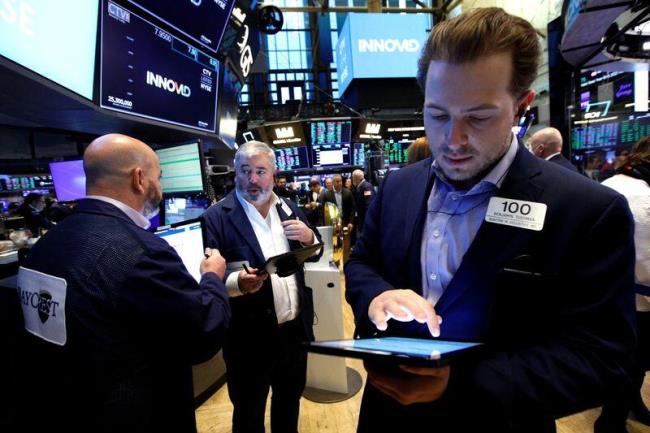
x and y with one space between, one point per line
115 321
547 144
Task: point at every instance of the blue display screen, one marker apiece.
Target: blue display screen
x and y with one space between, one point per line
367 50
52 39
147 72
202 20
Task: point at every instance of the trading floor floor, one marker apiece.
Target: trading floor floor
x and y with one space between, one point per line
215 415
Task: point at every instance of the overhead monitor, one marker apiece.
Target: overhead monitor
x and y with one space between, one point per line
182 168
178 209
331 155
69 179
188 241
54 40
599 135
202 21
292 158
330 131
634 129
147 72
396 151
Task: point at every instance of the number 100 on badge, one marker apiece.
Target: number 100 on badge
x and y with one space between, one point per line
523 214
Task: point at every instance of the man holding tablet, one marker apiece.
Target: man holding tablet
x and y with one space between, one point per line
485 242
272 309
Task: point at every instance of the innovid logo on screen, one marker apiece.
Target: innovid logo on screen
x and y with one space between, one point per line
168 84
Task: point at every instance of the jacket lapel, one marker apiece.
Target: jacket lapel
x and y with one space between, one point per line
495 244
239 221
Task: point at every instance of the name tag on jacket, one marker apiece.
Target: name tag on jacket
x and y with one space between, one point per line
516 213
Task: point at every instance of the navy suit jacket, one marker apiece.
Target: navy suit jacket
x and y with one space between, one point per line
136 322
563 162
229 230
555 307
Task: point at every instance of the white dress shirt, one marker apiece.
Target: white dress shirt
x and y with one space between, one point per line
637 193
139 219
270 235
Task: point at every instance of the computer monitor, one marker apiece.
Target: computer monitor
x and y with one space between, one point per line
358 154
182 168
189 242
69 179
178 209
147 72
292 158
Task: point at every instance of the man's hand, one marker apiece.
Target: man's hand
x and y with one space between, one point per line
404 306
213 262
251 283
296 230
411 384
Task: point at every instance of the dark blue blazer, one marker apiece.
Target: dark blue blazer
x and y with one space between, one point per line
136 322
563 162
555 307
229 230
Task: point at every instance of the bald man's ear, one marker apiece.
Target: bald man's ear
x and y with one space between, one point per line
138 182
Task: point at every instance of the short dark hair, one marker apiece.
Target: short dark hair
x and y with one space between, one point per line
482 32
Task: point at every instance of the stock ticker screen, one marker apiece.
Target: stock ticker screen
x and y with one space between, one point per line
396 151
331 132
203 21
330 143
595 136
633 130
147 72
291 158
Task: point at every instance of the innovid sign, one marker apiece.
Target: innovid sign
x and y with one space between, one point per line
380 46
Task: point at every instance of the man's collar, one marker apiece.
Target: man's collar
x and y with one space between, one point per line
135 216
551 156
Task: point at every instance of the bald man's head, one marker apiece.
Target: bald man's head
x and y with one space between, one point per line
546 142
123 168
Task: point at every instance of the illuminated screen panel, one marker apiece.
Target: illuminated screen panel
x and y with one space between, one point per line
595 136
397 151
330 155
330 132
358 154
202 20
54 40
69 179
181 168
291 158
147 72
632 131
